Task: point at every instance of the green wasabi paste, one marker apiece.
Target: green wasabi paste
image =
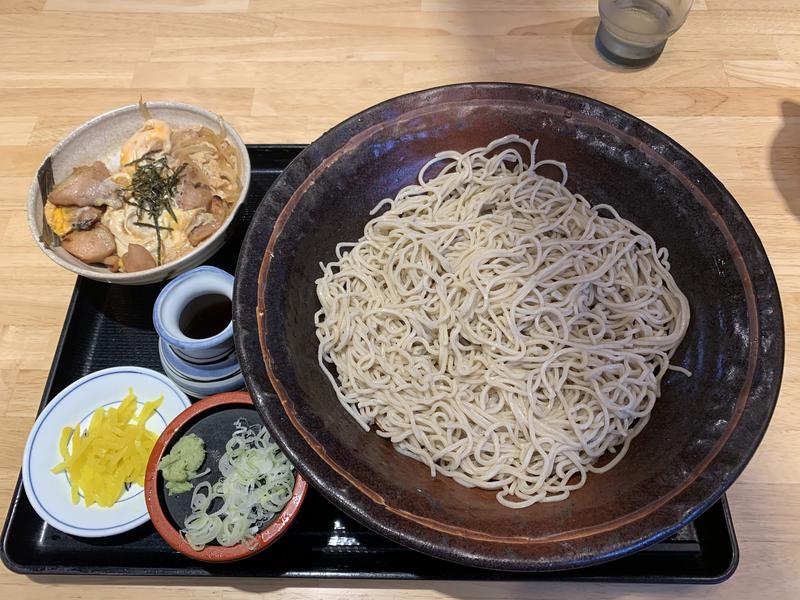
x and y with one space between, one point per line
182 463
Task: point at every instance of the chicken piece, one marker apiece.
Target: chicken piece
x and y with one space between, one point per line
63 219
90 246
204 225
207 223
137 258
88 185
193 192
86 217
112 262
219 208
202 232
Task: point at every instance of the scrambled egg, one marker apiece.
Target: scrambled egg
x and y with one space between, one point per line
175 243
60 218
154 135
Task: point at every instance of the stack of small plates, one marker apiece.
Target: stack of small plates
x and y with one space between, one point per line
201 379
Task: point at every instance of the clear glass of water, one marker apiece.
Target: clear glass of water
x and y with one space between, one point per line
634 32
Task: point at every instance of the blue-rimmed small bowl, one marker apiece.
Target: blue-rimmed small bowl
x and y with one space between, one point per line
48 493
200 367
173 299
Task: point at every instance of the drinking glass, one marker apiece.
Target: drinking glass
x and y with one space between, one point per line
634 32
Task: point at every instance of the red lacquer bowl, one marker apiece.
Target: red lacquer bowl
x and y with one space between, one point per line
210 419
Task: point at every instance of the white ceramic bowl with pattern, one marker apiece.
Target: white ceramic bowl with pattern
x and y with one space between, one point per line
49 493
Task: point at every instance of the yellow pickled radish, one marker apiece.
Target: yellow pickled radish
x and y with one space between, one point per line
111 454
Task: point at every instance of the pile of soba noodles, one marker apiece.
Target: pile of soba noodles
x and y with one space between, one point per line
499 328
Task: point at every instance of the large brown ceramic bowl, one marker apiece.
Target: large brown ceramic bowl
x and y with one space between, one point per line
704 429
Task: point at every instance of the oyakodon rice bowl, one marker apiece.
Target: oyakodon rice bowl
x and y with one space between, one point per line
142 180
702 429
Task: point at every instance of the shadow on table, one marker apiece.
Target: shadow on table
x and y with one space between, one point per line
784 157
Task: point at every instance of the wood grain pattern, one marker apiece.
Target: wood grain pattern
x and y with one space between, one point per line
727 88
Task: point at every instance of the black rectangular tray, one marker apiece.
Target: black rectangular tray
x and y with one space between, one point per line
109 325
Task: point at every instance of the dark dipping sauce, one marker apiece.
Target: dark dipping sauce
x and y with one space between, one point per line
205 316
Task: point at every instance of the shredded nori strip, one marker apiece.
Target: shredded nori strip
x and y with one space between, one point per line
151 191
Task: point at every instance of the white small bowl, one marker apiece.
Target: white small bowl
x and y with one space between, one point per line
49 493
101 139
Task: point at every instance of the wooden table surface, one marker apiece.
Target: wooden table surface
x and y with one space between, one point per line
727 88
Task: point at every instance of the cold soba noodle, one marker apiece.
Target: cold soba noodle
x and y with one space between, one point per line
499 328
